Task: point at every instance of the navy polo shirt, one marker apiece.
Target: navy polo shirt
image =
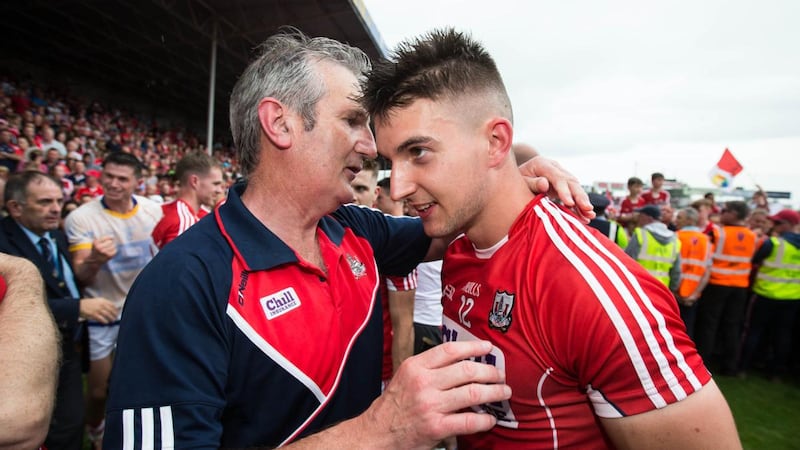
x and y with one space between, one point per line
227 339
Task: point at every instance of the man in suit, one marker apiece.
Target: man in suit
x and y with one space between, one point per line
34 201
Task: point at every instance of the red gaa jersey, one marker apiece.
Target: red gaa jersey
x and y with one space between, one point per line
651 198
627 206
581 330
178 217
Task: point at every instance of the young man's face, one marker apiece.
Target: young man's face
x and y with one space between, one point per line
118 181
209 187
365 188
657 182
635 189
439 163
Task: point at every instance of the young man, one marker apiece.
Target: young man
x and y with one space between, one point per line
630 203
591 344
199 185
111 243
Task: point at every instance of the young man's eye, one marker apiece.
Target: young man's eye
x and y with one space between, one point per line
418 152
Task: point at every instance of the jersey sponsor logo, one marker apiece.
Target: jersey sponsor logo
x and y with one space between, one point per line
449 291
500 314
357 267
280 303
472 288
242 285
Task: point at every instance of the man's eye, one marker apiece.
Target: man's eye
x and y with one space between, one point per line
418 152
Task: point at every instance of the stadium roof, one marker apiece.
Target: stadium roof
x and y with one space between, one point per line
160 50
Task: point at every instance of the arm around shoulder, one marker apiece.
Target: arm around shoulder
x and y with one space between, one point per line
702 420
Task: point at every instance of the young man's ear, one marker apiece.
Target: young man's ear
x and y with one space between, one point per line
272 115
501 136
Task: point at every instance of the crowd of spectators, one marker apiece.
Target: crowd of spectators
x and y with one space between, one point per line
66 135
741 305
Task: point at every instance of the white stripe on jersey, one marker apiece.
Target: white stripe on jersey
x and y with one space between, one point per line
127 429
147 429
147 425
167 432
549 413
664 367
275 355
605 300
187 218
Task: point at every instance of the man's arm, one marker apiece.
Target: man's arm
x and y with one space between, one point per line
87 261
675 275
29 354
401 312
700 421
423 403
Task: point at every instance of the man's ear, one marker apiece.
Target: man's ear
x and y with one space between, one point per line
274 122
14 208
501 136
194 180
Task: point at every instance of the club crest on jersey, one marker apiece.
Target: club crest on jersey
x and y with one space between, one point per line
357 267
500 314
279 303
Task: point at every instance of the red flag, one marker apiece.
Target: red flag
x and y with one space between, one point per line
729 164
728 167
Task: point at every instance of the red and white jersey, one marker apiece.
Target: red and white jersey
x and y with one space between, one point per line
580 329
178 217
628 206
660 198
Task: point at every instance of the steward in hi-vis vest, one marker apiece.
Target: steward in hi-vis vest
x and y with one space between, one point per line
722 306
696 250
656 247
777 289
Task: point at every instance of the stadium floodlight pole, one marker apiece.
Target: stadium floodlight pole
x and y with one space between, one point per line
212 81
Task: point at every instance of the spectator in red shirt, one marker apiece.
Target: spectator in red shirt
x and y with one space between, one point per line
656 195
92 188
631 203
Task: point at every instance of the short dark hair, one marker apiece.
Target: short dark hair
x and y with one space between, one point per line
442 63
656 175
194 163
739 207
372 166
385 183
124 159
633 181
17 185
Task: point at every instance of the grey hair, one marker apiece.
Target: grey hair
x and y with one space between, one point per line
284 70
691 215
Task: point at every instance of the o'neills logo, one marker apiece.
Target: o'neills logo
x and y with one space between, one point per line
279 303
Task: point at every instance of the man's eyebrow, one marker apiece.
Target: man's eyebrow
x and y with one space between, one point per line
412 141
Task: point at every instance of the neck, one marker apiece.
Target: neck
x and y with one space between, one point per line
190 199
504 203
294 224
120 206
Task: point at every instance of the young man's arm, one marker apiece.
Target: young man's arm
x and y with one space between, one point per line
401 312
29 354
700 421
87 261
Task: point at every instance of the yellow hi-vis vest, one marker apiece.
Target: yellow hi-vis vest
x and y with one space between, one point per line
656 257
695 258
779 275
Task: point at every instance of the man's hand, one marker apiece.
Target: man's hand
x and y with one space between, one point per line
98 309
103 249
424 402
545 175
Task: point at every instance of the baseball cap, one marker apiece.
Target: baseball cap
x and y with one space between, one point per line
599 201
651 210
787 215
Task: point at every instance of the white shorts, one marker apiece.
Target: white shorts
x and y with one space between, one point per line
102 340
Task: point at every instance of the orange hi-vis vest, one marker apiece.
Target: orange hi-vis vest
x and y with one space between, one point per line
734 248
695 257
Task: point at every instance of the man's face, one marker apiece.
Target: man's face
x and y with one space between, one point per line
635 189
680 220
340 139
209 187
385 203
657 182
439 162
118 181
365 188
41 211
